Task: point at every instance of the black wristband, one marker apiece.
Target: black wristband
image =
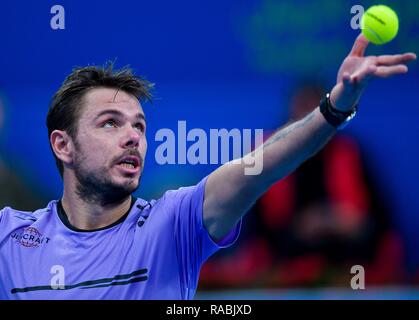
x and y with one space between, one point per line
336 118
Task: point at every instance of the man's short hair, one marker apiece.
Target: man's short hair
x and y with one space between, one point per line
66 105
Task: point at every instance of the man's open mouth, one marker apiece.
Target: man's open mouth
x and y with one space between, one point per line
129 162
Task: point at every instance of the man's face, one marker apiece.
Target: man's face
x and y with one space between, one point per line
110 146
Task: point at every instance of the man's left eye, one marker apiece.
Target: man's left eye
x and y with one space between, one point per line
139 127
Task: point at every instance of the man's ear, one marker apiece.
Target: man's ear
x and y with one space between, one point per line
62 145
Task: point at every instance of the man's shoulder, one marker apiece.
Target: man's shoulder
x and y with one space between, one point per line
182 191
12 214
167 202
178 200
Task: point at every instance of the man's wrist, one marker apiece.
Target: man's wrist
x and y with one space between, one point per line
337 103
337 118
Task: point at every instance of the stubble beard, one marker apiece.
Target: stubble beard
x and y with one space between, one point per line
96 187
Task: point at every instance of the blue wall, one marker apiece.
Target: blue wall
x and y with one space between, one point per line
216 64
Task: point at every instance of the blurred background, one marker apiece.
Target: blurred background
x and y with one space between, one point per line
239 64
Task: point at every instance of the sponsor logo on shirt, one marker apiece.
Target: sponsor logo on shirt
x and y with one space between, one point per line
144 216
30 237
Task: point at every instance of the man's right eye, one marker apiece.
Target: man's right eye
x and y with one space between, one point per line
109 124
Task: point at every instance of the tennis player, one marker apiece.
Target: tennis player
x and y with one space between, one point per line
98 241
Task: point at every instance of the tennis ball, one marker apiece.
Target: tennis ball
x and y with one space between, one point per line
380 24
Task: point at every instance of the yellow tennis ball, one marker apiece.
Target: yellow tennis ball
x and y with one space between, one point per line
380 24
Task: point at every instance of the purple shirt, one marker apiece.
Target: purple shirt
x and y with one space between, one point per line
156 252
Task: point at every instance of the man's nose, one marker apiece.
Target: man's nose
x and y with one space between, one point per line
131 138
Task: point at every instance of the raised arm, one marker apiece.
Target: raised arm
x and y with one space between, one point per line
230 193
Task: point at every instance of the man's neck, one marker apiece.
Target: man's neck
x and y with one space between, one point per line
90 216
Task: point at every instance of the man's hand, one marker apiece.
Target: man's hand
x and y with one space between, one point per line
357 70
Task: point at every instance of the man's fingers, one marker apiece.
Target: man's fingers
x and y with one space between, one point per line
359 47
346 79
388 60
387 71
363 74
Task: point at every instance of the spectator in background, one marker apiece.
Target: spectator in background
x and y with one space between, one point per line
14 191
312 226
